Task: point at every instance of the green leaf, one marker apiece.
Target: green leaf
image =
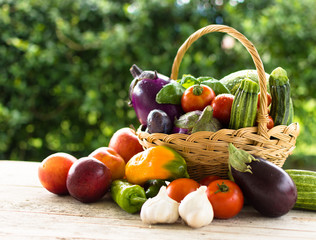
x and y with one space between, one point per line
188 81
170 93
215 84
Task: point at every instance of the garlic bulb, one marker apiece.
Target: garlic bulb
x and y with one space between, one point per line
160 209
195 209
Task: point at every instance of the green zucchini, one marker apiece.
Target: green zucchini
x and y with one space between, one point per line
280 92
305 182
244 108
306 200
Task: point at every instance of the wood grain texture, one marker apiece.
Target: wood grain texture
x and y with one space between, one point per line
28 211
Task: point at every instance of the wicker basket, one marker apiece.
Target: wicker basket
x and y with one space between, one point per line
206 153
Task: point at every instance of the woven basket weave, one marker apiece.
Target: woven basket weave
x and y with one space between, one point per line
206 153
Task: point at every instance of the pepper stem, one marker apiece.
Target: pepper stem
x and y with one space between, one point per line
222 188
197 90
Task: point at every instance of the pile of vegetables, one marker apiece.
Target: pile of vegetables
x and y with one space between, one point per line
190 104
155 182
158 187
163 190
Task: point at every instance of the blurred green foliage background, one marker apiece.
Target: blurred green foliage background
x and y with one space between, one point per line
64 65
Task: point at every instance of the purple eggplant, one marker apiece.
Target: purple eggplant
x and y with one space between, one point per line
267 187
159 122
180 130
143 91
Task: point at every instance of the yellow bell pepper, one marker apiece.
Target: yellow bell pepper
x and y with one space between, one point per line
159 162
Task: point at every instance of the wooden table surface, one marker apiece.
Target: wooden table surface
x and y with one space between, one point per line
28 211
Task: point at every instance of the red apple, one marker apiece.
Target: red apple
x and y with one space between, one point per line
112 160
53 171
125 142
88 180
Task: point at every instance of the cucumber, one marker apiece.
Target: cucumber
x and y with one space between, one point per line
281 95
305 182
233 80
244 108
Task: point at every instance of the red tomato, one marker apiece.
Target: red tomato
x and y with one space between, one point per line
197 97
181 187
226 198
269 99
208 179
222 105
270 123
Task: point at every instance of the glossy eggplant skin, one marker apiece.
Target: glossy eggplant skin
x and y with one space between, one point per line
142 94
159 122
144 100
269 189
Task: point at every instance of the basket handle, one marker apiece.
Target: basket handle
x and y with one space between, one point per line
262 116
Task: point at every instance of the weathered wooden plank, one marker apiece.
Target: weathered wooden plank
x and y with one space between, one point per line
28 211
44 225
19 173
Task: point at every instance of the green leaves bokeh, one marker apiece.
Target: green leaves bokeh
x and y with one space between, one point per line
64 65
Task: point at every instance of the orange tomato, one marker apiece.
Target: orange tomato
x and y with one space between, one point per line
197 97
181 187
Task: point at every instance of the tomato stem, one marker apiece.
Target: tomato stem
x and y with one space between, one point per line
198 90
222 188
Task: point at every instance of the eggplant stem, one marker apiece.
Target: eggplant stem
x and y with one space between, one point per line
239 158
135 71
156 75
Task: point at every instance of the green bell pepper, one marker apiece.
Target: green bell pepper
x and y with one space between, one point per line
153 186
